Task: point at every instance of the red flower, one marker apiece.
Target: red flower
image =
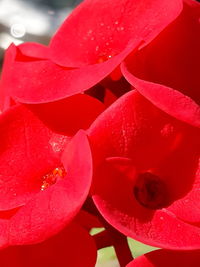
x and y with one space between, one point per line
166 71
45 177
86 48
146 182
167 258
72 247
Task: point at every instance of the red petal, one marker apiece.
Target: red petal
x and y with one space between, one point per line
115 200
167 258
109 28
132 127
166 70
40 81
50 210
24 149
123 130
34 50
69 115
72 247
190 202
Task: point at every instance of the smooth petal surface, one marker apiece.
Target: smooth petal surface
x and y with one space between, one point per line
167 258
36 80
72 247
156 144
69 115
34 51
110 27
166 70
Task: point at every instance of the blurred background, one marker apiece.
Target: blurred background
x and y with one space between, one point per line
31 20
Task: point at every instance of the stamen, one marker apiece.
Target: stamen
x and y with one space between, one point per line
151 191
52 177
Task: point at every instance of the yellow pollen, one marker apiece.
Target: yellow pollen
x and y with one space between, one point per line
52 177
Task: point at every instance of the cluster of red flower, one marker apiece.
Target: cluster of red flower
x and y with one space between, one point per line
101 129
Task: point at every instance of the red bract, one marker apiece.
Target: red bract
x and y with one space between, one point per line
44 178
111 27
72 247
166 258
147 173
166 71
85 49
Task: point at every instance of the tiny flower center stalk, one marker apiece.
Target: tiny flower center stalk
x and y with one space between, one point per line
151 191
52 177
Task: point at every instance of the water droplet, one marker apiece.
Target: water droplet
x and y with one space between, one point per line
120 28
92 38
101 24
161 218
90 31
97 48
167 130
116 22
58 142
107 43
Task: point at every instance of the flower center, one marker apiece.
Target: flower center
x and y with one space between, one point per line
150 191
52 177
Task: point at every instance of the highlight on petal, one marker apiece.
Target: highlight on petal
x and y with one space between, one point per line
166 70
72 247
51 209
34 50
167 258
110 28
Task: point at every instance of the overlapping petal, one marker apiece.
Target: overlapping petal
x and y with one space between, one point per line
167 258
30 152
109 29
84 51
138 194
39 80
71 247
166 70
